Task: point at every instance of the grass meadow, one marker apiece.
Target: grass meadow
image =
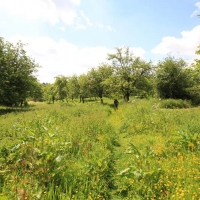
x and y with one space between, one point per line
75 151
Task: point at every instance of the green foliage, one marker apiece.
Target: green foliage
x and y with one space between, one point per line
174 103
73 87
189 140
141 172
48 92
60 88
17 80
76 160
83 82
194 89
97 78
90 151
37 92
131 73
198 50
172 80
194 94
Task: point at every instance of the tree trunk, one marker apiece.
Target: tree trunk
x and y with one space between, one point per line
53 98
21 103
126 97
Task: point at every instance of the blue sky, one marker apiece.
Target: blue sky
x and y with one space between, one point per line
67 37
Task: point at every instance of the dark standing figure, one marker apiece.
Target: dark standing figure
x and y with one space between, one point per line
116 104
53 98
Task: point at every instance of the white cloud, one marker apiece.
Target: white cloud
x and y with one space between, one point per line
197 11
61 58
67 10
80 26
86 18
184 46
138 51
110 28
52 11
62 28
100 25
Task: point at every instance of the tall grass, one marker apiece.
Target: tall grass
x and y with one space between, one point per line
90 151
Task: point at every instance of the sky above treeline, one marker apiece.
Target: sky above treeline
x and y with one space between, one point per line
68 37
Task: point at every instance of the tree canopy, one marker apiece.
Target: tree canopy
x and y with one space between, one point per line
131 72
97 77
17 73
172 79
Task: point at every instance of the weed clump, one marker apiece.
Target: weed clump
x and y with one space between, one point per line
174 104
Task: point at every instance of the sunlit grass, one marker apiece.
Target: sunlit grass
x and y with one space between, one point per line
90 151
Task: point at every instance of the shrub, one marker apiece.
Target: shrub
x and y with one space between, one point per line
174 103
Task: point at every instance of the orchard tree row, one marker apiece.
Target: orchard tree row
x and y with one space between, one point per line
126 75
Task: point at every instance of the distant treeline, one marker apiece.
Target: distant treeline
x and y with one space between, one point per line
127 76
